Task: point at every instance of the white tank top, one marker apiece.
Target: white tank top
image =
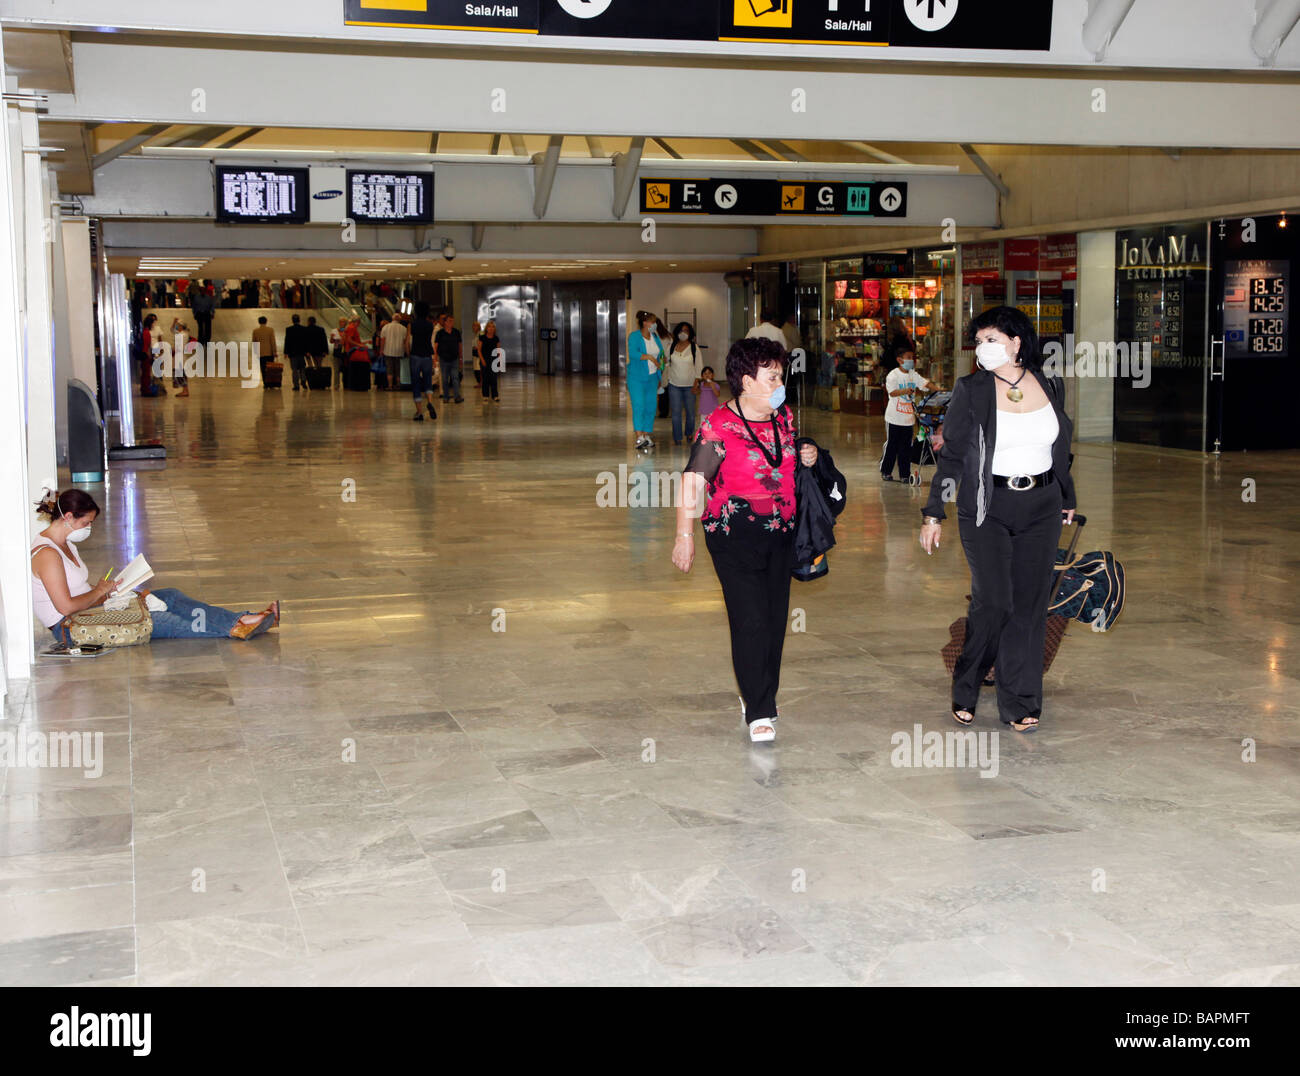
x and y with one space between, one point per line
1024 442
77 574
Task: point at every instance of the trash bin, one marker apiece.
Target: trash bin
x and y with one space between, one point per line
85 434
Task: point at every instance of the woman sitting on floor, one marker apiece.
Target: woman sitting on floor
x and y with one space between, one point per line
61 586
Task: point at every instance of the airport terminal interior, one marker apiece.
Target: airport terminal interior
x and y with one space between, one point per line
491 734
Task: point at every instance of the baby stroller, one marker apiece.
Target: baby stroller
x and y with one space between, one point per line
930 414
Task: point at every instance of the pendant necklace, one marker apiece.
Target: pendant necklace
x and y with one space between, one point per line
776 438
1013 393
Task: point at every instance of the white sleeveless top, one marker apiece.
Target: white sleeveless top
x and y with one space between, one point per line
77 574
1024 442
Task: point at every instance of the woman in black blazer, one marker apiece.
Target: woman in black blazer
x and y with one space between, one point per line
1006 462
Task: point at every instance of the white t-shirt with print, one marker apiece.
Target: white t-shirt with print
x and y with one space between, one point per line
899 411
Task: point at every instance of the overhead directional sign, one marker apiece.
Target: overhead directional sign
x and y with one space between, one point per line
944 24
774 197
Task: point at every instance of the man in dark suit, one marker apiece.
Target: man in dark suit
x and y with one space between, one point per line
295 348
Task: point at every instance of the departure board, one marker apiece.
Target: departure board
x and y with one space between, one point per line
1256 308
267 195
390 197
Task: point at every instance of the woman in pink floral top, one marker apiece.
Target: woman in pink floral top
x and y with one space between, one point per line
742 471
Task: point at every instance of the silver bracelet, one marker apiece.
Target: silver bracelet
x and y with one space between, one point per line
688 534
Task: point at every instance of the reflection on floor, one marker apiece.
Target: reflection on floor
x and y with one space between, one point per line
496 740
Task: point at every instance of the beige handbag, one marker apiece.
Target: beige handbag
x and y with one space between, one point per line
108 628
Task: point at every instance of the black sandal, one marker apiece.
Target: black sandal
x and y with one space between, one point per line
956 714
1027 724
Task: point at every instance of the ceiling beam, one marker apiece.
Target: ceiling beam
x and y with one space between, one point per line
663 145
777 146
1100 24
126 146
625 170
595 148
231 143
545 167
433 141
518 146
754 149
201 137
877 154
986 169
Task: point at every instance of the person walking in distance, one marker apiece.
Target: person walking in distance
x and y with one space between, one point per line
488 345
264 341
645 362
684 366
900 416
448 343
295 350
318 345
1007 447
395 340
202 304
421 337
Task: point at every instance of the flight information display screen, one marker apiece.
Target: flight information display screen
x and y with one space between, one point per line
267 195
390 197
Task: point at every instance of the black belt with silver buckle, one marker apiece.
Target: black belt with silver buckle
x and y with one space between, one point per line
1022 482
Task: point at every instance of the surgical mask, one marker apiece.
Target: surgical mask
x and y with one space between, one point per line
79 535
909 364
776 399
683 337
991 355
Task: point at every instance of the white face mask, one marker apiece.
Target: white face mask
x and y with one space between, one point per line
79 535
683 337
992 355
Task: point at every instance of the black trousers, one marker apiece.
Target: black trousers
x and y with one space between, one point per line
488 381
753 566
204 328
898 445
1011 558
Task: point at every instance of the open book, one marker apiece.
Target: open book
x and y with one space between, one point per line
130 577
134 574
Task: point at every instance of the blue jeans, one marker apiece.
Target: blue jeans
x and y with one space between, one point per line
179 622
681 399
421 376
450 378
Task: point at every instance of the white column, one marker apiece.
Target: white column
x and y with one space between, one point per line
1095 418
16 637
79 289
42 462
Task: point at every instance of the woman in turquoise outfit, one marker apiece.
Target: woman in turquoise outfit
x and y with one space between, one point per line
645 362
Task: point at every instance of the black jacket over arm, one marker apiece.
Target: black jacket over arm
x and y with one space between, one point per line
969 437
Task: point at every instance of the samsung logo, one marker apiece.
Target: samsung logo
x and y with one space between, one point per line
324 196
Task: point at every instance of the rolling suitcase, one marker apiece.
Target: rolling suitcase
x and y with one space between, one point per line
359 375
273 378
318 377
1056 623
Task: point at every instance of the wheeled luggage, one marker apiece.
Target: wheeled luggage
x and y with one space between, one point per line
1059 615
359 375
319 377
273 376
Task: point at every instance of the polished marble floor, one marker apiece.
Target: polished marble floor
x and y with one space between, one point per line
496 741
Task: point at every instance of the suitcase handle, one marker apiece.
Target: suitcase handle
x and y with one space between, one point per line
1080 521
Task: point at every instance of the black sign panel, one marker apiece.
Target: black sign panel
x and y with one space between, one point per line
265 195
822 23
390 197
970 24
519 16
693 20
942 24
773 198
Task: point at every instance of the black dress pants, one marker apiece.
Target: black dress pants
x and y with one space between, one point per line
1011 561
898 446
753 566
